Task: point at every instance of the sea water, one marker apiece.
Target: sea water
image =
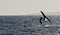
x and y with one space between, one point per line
28 25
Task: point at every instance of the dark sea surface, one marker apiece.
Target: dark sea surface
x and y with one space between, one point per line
28 25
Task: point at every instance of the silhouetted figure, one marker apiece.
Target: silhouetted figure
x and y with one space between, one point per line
40 20
44 18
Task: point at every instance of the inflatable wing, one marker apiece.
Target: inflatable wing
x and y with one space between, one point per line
44 18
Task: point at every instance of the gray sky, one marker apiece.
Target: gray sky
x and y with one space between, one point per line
29 7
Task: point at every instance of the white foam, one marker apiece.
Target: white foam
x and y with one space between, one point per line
52 25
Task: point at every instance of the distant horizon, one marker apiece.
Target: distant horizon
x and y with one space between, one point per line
46 13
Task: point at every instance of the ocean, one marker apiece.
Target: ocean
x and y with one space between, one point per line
28 25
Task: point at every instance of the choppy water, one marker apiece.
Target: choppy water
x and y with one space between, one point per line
28 25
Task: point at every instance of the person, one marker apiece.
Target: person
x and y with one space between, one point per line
44 18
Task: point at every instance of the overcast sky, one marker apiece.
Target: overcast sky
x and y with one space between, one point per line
29 7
